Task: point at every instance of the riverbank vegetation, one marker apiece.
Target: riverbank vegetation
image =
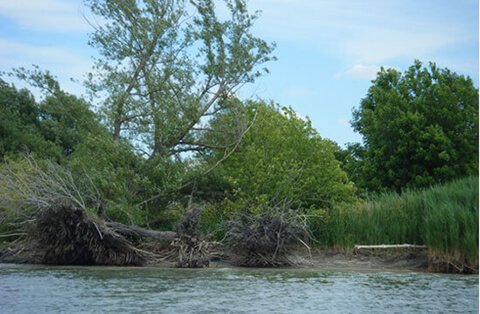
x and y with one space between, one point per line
168 152
443 217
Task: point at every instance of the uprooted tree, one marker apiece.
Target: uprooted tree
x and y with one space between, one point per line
54 212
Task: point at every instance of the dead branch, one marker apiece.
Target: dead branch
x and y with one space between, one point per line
264 240
25 187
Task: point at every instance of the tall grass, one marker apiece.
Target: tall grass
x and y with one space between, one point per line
443 217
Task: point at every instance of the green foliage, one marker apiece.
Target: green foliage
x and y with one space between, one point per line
215 217
283 157
50 129
444 217
20 124
67 121
280 158
419 128
63 128
126 180
451 219
115 171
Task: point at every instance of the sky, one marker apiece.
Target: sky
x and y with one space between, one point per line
328 51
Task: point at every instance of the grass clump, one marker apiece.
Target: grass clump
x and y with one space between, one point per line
443 217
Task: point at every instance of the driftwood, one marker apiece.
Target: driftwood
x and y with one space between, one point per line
394 252
193 250
189 249
138 232
388 246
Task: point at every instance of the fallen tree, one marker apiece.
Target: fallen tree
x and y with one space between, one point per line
54 214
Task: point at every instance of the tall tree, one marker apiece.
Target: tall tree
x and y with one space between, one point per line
418 128
167 67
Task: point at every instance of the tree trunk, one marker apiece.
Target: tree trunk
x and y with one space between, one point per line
134 231
117 124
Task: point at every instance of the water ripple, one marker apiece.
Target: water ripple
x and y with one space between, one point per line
40 289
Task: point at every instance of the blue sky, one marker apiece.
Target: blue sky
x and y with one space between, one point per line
328 50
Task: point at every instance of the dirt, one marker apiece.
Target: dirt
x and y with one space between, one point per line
346 260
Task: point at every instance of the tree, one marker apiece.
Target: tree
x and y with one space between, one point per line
418 128
167 67
51 128
282 157
19 123
61 127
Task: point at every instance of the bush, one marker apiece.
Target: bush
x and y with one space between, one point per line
281 157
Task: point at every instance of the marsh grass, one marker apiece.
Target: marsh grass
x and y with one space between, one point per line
443 217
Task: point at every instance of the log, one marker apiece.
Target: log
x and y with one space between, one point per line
390 246
138 232
358 248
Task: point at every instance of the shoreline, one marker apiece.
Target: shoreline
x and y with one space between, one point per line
325 259
332 260
346 260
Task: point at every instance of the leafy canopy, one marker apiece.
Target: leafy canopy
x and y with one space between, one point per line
167 67
282 157
418 128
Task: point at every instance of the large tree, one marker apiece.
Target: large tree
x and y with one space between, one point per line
166 67
418 128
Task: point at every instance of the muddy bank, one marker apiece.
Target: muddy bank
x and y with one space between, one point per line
340 259
317 258
327 259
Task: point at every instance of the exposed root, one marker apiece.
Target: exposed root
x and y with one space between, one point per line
189 249
265 240
192 252
441 263
66 235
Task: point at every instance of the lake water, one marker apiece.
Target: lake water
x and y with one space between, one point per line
42 289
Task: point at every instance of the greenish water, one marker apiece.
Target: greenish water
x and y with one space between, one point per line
42 289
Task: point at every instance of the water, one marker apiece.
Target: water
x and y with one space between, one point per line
42 289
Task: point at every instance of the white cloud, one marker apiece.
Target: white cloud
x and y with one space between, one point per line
368 31
383 45
359 72
46 15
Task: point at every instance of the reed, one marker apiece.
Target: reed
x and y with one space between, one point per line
443 217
